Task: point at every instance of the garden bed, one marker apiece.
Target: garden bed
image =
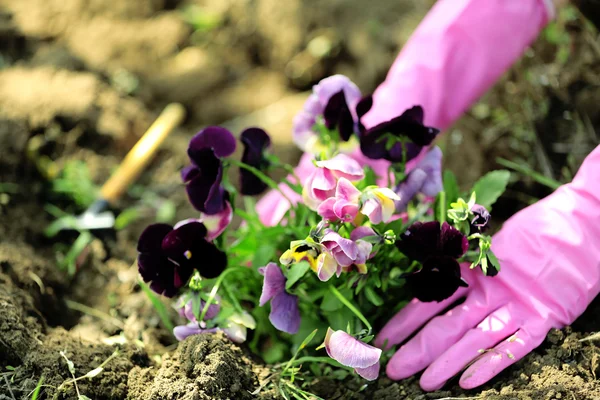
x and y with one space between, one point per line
84 79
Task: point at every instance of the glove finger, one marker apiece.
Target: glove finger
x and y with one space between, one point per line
414 315
503 355
435 338
497 326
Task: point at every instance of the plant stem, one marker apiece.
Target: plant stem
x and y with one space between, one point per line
350 306
442 207
215 289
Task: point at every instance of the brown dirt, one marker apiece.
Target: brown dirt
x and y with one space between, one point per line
83 79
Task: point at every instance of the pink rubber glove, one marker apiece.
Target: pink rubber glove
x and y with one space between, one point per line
458 51
550 259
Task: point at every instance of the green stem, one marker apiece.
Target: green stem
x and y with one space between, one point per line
350 306
260 175
215 289
442 207
320 360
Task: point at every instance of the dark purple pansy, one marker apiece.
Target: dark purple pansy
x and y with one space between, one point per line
409 127
337 114
168 257
481 219
437 248
203 177
255 141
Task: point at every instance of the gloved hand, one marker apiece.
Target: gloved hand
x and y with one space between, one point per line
550 259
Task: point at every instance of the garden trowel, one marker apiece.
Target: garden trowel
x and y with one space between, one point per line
98 215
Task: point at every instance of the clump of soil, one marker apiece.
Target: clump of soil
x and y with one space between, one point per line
204 367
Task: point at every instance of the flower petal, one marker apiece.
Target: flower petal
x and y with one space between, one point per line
183 331
431 164
216 138
285 314
453 243
409 188
152 237
350 351
217 223
235 332
362 232
326 209
333 240
438 279
255 141
343 166
273 284
370 373
420 240
326 266
372 209
329 86
338 115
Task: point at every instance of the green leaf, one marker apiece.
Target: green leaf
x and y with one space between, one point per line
38 389
160 307
373 297
528 171
166 212
296 272
490 187
126 217
330 302
493 260
451 187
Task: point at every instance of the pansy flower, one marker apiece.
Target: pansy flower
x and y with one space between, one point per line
378 204
344 252
235 327
399 139
353 353
437 248
285 314
255 141
320 259
168 257
203 178
344 205
322 182
480 220
365 249
335 99
425 178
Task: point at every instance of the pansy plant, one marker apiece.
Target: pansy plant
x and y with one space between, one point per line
363 233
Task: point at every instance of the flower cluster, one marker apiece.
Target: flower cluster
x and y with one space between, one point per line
370 223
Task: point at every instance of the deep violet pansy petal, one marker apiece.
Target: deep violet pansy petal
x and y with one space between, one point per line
420 240
438 279
285 314
255 141
273 283
338 115
204 185
216 138
151 238
453 243
350 351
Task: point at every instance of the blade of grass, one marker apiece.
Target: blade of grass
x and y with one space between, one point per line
158 305
528 171
37 390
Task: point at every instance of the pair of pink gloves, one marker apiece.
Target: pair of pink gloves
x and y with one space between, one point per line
549 252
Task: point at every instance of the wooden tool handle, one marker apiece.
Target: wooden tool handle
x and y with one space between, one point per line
139 156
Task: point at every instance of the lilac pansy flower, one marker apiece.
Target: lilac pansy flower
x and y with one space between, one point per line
285 314
351 352
169 256
344 252
425 178
480 220
256 141
203 178
378 204
338 101
235 327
